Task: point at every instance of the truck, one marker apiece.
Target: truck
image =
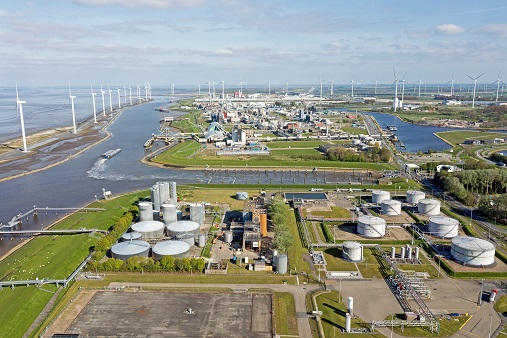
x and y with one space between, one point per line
492 295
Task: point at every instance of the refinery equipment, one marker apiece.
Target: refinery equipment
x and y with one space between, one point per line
145 211
149 229
129 236
371 226
169 213
391 207
125 250
378 196
176 249
352 251
180 227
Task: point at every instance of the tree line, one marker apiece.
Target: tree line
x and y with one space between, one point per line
138 263
279 214
343 154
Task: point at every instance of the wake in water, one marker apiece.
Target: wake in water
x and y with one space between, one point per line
98 168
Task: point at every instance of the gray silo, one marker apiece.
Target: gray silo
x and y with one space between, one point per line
129 236
125 250
202 240
186 237
197 213
159 194
155 197
281 263
180 227
228 237
169 213
172 193
176 249
149 229
145 211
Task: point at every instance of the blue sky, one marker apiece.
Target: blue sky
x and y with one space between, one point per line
194 41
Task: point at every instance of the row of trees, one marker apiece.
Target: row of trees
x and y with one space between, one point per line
279 214
138 263
375 154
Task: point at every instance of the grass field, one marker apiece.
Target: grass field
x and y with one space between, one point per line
459 136
285 314
297 152
448 327
294 144
50 257
336 212
353 130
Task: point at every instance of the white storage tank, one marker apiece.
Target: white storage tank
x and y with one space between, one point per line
125 250
414 196
443 226
130 236
391 207
228 237
186 237
371 226
241 195
145 211
352 251
197 213
149 229
428 206
169 213
281 263
176 249
202 240
378 196
180 227
473 251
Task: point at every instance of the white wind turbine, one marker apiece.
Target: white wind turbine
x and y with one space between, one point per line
241 83
110 99
199 85
223 90
146 92
172 90
269 88
94 108
103 102
19 104
124 94
213 85
149 90
130 95
403 88
419 82
475 85
71 98
395 101
497 86
352 82
332 87
452 84
139 94
119 98
287 87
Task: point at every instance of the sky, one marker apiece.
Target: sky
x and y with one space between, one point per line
191 42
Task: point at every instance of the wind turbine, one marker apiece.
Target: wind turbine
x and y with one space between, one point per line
395 101
452 84
110 100
119 98
287 87
130 95
209 89
199 85
103 102
124 94
149 90
403 88
475 85
72 97
376 82
172 90
19 104
223 90
139 94
332 85
269 88
352 83
146 92
94 108
497 86
420 82
213 89
241 83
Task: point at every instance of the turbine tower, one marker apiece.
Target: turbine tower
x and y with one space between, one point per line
223 90
124 94
199 85
241 83
376 82
395 101
103 102
269 88
149 90
403 88
332 87
475 85
110 100
497 86
94 108
119 98
146 92
352 82
19 104
130 95
139 94
72 97
420 82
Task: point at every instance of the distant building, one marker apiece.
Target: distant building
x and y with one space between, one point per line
446 167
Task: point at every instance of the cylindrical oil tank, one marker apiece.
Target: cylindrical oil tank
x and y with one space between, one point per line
428 206
264 224
352 251
350 306
241 195
228 236
186 237
393 252
416 254
125 250
378 196
472 251
281 263
197 213
149 229
443 227
371 226
409 252
176 249
130 236
402 252
169 213
391 207
348 322
179 227
202 240
145 211
414 196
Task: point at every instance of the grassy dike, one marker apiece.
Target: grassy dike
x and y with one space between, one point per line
50 257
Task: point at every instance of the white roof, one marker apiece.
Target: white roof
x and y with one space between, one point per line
472 243
130 247
145 226
183 226
171 248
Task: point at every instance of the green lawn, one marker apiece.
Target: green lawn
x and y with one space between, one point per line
353 130
459 136
294 144
501 304
336 212
297 152
285 314
448 327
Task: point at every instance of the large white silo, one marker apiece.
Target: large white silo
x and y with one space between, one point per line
443 226
378 196
169 213
391 207
414 196
473 251
428 206
371 226
145 211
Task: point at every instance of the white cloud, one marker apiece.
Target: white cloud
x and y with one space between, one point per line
449 29
495 29
143 3
419 34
